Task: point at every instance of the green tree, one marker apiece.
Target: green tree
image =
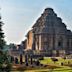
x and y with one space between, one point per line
4 63
2 41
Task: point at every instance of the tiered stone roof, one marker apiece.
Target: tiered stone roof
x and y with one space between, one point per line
49 23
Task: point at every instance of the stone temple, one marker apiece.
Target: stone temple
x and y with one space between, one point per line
49 35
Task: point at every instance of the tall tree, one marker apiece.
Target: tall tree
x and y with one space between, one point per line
2 42
4 62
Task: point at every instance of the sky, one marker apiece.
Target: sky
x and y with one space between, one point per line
19 16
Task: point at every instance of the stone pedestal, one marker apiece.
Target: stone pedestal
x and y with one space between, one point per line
54 53
61 53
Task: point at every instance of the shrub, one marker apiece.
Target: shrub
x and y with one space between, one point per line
41 58
54 59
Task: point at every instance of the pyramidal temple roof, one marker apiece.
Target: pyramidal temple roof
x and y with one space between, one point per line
49 23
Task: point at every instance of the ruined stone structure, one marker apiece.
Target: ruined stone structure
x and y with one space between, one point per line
29 40
50 35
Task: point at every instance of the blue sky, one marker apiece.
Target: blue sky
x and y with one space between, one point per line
20 15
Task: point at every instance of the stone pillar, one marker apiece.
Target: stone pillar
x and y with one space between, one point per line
39 42
56 42
51 42
33 45
57 48
31 60
36 46
64 42
21 59
26 60
70 48
70 43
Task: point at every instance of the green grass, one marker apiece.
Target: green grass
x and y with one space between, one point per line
58 63
48 61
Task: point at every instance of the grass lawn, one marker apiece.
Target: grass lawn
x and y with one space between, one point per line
47 60
52 67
